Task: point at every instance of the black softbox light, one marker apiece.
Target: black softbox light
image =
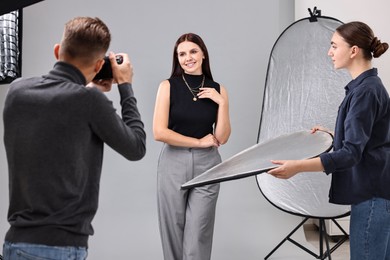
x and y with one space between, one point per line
7 6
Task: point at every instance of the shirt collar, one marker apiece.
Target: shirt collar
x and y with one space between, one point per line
357 81
68 72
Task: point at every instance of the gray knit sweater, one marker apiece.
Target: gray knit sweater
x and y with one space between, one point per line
54 131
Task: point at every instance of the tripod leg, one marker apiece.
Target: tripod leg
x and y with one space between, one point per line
286 238
324 235
321 240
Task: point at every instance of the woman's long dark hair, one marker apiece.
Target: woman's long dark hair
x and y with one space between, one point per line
191 37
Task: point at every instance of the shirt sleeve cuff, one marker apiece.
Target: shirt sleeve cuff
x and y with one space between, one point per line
126 90
327 163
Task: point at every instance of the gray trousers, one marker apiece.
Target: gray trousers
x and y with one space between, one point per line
186 217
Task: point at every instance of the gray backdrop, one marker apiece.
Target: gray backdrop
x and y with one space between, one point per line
239 36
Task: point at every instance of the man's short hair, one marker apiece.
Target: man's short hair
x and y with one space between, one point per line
85 38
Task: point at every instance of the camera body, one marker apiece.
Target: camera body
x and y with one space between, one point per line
106 71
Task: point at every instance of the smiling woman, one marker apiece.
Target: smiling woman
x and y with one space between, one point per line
188 105
10 47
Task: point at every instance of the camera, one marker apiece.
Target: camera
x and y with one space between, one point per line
106 71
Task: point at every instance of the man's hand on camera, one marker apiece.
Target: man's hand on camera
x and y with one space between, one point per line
122 73
103 84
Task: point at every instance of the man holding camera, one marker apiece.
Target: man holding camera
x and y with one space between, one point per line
54 132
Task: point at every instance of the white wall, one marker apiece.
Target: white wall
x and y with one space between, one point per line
239 36
374 13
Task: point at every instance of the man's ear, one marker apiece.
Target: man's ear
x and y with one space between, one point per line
98 65
57 51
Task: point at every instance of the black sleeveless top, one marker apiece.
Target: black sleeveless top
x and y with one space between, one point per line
186 116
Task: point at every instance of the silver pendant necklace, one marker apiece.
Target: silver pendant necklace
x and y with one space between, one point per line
193 91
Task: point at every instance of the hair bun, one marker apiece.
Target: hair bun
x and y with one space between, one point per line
378 48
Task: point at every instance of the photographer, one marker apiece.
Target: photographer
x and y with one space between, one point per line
54 132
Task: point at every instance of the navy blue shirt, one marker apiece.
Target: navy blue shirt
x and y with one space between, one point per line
360 162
